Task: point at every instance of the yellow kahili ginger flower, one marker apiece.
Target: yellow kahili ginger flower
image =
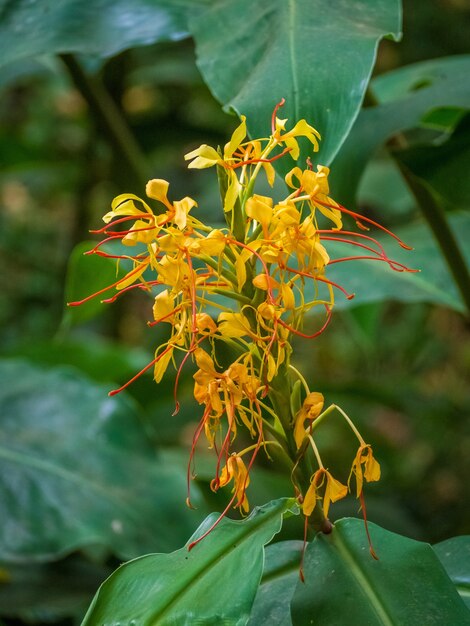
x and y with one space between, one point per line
370 471
311 409
247 285
334 490
235 470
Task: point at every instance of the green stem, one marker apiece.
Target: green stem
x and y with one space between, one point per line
433 214
435 217
109 118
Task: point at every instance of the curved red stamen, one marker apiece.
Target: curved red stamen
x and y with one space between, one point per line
97 293
144 286
273 116
253 161
349 296
190 473
394 265
358 217
217 521
142 371
162 319
364 514
319 332
352 234
119 221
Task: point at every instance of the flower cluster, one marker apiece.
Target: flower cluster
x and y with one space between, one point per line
262 273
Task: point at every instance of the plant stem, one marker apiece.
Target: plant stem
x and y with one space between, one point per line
109 118
435 217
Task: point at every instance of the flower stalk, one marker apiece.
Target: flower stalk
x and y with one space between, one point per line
263 273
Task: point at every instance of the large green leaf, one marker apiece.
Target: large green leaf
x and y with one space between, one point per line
101 27
87 274
77 469
373 281
444 166
214 583
47 592
280 577
405 96
252 54
454 555
344 584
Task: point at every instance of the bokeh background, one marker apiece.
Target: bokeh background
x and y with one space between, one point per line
400 370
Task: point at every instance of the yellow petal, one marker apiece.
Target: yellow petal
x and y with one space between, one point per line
124 208
334 491
233 190
260 208
294 172
265 281
240 270
238 136
204 156
233 325
132 276
162 365
163 306
182 208
157 189
371 468
204 362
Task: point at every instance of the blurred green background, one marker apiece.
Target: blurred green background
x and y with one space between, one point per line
400 370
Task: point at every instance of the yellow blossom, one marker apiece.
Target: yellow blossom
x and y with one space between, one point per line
311 409
334 491
235 470
371 471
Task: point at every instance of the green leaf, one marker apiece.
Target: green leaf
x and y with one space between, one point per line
214 583
344 584
101 27
445 166
77 469
98 358
252 54
454 555
50 591
405 96
87 274
374 281
280 577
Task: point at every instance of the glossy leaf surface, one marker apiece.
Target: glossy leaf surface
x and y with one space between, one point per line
77 469
406 586
454 555
373 281
404 97
293 50
29 28
280 577
213 583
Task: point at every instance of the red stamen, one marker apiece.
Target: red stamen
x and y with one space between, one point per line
145 287
97 293
358 219
142 371
394 265
190 474
162 319
217 521
364 514
319 332
304 547
349 296
352 234
252 161
119 221
273 116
